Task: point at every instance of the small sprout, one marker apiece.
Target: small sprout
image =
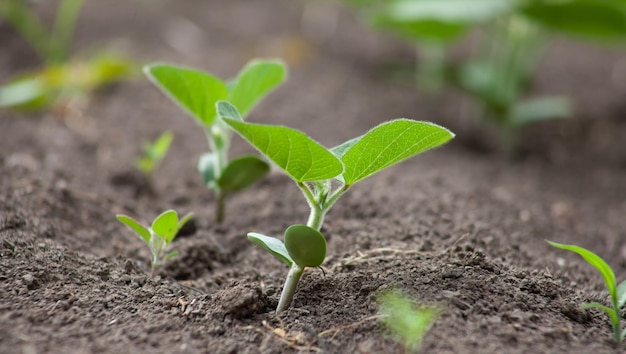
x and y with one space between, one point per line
407 322
617 292
196 93
323 175
158 236
153 153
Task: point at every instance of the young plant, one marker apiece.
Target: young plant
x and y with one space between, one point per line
153 153
323 175
196 93
61 79
513 37
407 322
617 292
158 236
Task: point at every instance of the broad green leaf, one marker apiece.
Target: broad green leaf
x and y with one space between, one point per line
241 173
183 221
621 294
597 262
299 156
273 245
227 110
141 230
604 20
390 143
306 246
540 109
255 81
194 91
170 255
165 225
206 167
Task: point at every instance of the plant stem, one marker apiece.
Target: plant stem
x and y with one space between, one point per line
289 289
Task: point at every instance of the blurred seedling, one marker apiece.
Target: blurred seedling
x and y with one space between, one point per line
323 175
62 80
407 322
512 37
158 236
617 292
153 154
196 93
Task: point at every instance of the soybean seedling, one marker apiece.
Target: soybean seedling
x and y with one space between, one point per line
153 154
617 292
159 235
196 92
62 79
407 322
323 175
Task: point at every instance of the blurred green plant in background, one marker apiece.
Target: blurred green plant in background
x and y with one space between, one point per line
512 36
62 77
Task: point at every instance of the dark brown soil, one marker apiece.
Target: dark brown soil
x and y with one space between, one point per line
458 227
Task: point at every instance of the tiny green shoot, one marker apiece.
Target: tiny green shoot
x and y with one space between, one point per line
617 292
407 322
323 175
153 154
159 235
196 93
62 79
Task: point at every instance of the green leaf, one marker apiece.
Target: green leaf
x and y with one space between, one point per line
604 20
21 92
227 110
272 245
302 158
390 143
406 320
161 145
183 221
597 262
242 172
540 109
206 167
194 91
170 255
255 81
341 149
165 225
141 230
621 294
306 246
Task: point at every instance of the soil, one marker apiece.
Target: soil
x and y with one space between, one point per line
456 226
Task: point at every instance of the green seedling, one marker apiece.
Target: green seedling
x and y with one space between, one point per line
61 79
407 322
617 292
323 175
158 236
196 93
513 36
153 153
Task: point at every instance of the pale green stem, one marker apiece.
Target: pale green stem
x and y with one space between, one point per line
289 289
